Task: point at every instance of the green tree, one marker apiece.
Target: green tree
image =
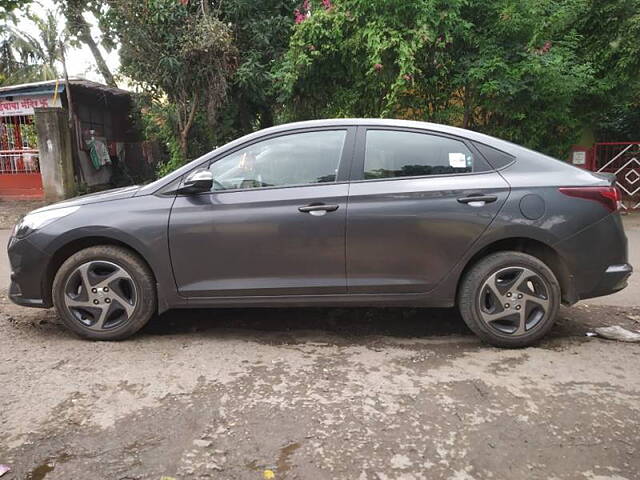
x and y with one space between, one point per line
261 32
179 53
523 71
25 58
371 58
80 29
518 72
7 7
609 33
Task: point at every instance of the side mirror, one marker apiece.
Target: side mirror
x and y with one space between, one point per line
197 182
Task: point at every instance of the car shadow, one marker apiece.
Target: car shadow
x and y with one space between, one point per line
353 324
345 322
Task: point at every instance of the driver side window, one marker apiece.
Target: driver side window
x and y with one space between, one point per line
296 159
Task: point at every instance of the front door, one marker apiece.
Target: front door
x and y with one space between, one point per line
416 205
273 224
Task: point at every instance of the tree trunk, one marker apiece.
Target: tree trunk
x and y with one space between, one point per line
467 101
266 117
184 132
184 143
85 37
243 118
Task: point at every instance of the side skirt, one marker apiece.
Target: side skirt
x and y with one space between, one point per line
356 300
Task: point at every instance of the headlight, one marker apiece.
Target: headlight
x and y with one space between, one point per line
33 221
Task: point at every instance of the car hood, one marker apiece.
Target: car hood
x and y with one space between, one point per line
104 196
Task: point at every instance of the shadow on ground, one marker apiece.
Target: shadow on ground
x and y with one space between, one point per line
345 322
291 325
355 323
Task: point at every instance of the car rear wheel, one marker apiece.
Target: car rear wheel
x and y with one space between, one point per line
104 293
509 299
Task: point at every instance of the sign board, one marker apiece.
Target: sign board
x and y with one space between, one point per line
25 105
579 158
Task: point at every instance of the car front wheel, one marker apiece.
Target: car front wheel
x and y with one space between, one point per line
104 293
509 299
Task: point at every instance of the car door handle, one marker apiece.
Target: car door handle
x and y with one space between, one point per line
318 209
478 200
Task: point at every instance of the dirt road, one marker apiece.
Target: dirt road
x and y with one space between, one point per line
319 394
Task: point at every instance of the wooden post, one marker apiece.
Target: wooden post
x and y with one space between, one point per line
74 135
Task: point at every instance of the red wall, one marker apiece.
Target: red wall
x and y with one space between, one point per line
22 185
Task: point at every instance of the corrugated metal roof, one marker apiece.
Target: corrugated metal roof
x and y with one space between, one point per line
49 86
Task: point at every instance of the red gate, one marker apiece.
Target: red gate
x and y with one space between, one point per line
623 160
19 160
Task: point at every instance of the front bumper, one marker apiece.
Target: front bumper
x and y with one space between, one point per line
28 274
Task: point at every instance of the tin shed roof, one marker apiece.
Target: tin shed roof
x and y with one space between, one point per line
50 86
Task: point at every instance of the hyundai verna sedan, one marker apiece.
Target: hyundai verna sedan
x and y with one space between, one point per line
333 213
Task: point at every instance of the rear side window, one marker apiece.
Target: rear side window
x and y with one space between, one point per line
392 153
496 158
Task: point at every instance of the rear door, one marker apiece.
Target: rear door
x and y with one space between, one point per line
417 202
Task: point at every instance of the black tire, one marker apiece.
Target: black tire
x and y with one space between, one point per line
473 291
139 275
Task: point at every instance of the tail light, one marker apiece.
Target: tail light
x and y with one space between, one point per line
609 197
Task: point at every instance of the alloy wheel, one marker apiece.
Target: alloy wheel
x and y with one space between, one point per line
514 300
100 295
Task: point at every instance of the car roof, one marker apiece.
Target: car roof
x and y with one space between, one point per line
396 123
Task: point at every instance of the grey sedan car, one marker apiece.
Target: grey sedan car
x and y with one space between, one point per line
334 213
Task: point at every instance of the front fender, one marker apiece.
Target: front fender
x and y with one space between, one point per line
143 228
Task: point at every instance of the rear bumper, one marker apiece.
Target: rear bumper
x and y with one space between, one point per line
613 280
596 259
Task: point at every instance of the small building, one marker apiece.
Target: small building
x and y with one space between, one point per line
101 136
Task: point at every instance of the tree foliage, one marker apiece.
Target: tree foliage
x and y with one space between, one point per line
366 58
537 73
80 29
176 52
7 7
525 71
520 77
610 33
261 32
27 58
